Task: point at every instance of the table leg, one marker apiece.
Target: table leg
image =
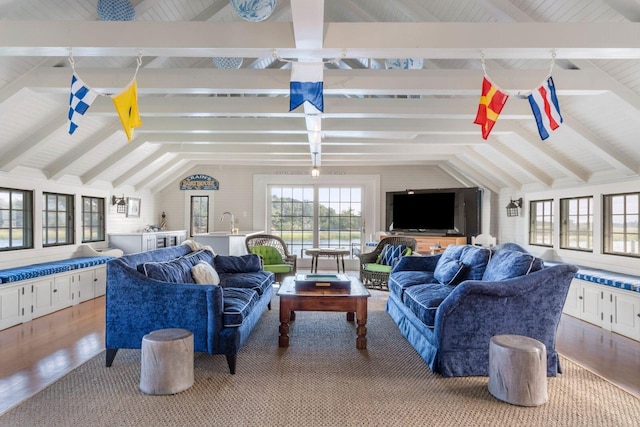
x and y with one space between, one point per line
343 269
361 318
350 316
314 264
285 312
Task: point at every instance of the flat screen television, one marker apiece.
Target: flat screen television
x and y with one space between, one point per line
451 211
424 211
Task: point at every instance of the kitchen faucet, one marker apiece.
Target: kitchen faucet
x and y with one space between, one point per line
233 220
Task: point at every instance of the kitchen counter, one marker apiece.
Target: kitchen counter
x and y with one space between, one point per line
225 242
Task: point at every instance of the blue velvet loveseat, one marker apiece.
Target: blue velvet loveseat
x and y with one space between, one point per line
166 288
449 305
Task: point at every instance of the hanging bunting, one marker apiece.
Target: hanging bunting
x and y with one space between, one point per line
80 99
126 103
491 103
306 85
545 107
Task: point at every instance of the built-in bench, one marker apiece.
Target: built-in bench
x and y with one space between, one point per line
32 271
603 277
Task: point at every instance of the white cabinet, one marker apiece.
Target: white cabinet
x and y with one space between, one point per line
15 305
131 243
610 308
29 299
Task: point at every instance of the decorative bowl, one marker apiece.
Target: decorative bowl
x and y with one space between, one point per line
227 62
404 63
254 10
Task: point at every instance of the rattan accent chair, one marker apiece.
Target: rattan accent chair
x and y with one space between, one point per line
379 279
256 243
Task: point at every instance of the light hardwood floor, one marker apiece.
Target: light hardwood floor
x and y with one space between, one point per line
39 352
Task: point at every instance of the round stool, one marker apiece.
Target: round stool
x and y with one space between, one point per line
518 370
167 361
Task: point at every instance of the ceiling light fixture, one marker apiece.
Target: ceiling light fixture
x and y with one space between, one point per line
315 172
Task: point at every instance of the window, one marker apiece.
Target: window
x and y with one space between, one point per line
57 219
541 223
314 216
576 223
16 222
621 212
199 214
92 219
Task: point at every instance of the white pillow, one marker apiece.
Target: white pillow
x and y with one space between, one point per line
204 274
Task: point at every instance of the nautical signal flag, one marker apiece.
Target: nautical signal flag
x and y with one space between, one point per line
306 85
491 102
80 100
545 107
126 103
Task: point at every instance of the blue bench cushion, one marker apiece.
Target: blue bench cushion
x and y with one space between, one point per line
608 278
424 300
258 281
43 269
238 303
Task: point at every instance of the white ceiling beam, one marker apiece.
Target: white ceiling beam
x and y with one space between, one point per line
472 172
336 81
489 166
114 159
522 163
147 166
457 175
435 40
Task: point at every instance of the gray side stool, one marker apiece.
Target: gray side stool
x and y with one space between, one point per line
167 361
518 370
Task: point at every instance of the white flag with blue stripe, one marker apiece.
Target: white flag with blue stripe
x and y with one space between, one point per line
306 85
80 100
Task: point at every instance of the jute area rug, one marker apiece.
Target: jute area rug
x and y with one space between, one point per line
320 380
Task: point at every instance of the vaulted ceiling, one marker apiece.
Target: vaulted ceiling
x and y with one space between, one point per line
194 113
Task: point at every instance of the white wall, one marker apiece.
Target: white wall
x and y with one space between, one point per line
516 229
24 179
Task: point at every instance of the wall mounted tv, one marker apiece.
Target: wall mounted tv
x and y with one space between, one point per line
452 211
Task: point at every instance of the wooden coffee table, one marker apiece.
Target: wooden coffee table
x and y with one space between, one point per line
323 299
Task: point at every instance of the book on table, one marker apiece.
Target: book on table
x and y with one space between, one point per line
315 281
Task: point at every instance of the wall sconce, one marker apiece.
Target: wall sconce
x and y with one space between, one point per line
121 204
410 191
315 172
513 208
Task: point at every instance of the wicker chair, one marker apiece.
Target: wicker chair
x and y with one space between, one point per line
379 279
288 260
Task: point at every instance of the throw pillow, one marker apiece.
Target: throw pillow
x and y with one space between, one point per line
391 254
237 264
174 271
449 271
204 274
506 264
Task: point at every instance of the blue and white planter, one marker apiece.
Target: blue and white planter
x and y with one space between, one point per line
227 62
404 63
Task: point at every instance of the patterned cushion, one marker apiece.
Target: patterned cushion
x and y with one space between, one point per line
204 274
43 269
506 264
391 254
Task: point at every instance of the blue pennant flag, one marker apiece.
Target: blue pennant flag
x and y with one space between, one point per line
80 100
306 85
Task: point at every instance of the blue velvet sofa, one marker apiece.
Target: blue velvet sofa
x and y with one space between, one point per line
156 289
448 306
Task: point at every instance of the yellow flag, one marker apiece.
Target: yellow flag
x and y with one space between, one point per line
126 103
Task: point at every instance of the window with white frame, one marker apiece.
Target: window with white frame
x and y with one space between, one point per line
16 221
576 223
541 223
316 216
92 219
620 219
57 219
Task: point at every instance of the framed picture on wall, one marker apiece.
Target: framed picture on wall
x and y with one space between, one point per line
133 207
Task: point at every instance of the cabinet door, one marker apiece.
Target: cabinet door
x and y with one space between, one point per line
626 317
100 281
42 297
591 304
14 305
149 242
84 283
572 305
62 291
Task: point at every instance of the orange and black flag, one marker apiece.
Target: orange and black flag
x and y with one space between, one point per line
491 102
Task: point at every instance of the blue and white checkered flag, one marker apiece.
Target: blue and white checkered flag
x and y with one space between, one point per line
80 100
